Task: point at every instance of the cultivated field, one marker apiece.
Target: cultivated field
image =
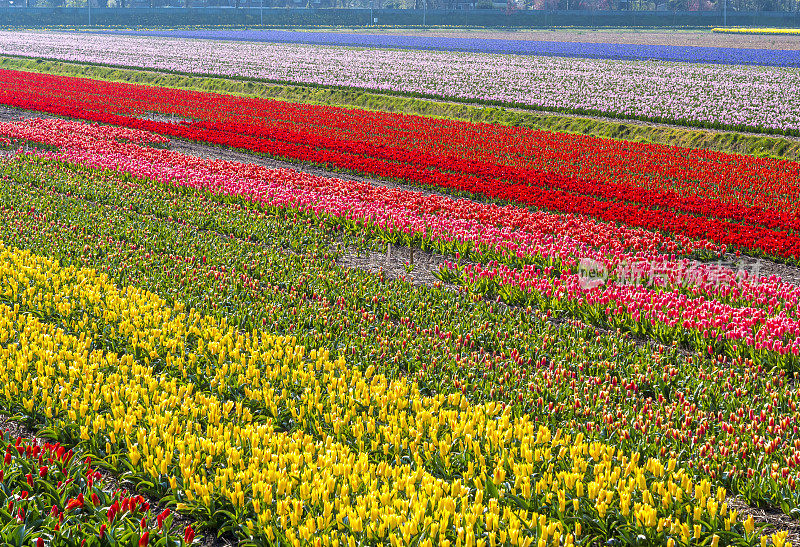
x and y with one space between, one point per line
675 37
301 310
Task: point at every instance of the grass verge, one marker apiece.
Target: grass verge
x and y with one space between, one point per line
722 141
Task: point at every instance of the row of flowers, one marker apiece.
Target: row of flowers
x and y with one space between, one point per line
452 225
671 317
698 319
275 442
697 181
629 183
591 50
732 422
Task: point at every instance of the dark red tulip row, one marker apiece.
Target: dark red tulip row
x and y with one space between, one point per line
744 202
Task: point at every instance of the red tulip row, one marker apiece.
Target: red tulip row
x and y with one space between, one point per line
744 202
55 498
651 182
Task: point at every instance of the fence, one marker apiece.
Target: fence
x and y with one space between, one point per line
285 17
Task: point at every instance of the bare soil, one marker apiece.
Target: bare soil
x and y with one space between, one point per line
158 117
774 519
397 262
764 267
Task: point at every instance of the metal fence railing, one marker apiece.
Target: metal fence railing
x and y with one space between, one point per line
249 15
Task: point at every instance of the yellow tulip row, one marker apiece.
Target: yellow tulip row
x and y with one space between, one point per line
312 448
744 30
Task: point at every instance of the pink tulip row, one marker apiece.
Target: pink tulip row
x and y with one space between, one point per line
671 315
731 282
58 132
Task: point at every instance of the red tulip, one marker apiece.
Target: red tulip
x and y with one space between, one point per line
74 504
160 518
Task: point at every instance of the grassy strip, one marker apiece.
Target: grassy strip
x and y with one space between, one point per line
754 145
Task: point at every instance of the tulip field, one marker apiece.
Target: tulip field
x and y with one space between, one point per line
231 320
748 203
592 50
